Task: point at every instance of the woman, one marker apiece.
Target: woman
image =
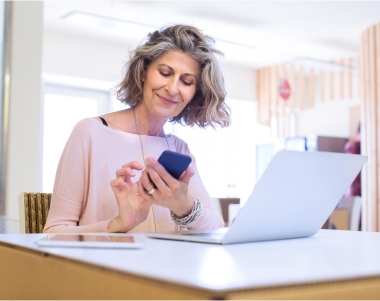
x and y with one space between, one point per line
173 77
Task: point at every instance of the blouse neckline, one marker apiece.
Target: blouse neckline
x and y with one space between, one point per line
126 134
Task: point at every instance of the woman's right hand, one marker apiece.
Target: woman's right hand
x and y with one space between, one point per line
133 209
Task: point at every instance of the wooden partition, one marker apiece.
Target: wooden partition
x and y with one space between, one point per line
370 140
305 83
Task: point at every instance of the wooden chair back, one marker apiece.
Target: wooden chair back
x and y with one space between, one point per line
33 211
224 202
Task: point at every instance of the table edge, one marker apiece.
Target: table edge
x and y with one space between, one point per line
213 292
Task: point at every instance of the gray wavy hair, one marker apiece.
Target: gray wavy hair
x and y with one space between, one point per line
207 108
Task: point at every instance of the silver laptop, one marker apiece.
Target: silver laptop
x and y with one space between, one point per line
294 197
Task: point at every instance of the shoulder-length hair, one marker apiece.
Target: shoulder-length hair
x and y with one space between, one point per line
207 108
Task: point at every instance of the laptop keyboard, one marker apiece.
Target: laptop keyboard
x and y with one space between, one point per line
214 235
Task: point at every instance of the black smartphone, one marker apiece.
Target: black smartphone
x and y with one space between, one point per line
174 163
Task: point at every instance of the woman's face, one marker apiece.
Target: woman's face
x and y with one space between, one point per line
169 84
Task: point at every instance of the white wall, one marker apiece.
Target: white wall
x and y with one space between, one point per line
327 119
78 56
332 116
240 82
24 164
90 58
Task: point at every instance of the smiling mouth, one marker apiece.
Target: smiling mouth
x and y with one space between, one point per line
165 99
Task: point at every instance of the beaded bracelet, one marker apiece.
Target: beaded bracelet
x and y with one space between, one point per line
188 220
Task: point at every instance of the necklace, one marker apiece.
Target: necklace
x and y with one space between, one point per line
142 150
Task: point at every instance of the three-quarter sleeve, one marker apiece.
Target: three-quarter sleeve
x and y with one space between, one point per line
64 218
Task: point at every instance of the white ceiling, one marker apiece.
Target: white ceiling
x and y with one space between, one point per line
250 33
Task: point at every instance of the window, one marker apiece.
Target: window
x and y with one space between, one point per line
226 157
63 108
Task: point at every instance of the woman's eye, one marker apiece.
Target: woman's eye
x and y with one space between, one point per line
165 74
188 83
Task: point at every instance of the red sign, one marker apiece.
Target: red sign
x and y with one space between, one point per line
283 88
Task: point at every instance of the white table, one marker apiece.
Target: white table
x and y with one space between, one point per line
332 264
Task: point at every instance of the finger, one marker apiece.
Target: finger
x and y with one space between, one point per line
146 182
125 171
140 189
118 183
167 177
134 165
189 172
156 179
146 196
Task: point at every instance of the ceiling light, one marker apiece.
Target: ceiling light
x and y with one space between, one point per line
117 25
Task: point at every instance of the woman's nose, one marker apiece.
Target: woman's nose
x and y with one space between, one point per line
172 86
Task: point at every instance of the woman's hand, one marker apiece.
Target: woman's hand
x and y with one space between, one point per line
133 209
169 192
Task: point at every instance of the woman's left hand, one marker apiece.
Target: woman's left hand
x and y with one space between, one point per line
169 192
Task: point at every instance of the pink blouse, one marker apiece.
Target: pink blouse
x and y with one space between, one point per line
83 200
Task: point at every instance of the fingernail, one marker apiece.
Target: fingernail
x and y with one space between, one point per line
150 160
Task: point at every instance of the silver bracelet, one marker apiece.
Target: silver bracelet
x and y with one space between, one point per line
188 220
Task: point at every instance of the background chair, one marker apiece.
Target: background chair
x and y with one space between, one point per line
233 211
33 211
353 205
221 206
346 215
